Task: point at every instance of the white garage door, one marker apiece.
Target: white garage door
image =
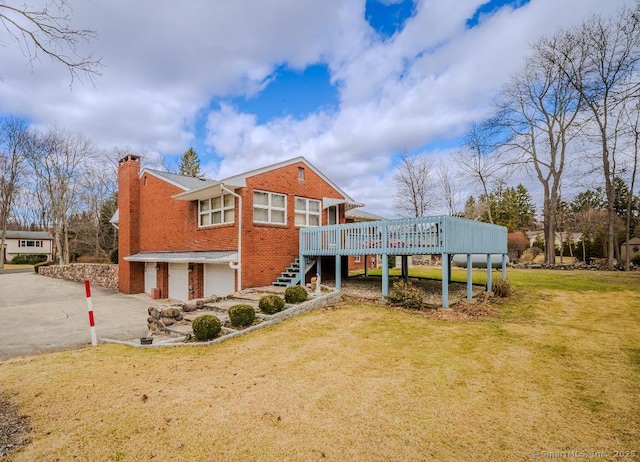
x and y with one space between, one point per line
149 276
218 280
179 281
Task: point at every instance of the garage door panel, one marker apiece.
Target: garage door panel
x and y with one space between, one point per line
150 276
219 280
179 281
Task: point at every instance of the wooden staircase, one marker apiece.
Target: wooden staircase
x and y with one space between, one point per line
291 276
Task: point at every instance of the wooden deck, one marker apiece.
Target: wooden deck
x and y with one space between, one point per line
439 235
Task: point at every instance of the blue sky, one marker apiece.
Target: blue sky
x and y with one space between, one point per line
346 83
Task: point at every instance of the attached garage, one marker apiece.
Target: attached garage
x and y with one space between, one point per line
219 280
210 268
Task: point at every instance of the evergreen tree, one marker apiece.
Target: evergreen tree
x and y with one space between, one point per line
190 164
510 207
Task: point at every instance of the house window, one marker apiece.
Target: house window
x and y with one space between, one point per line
307 212
356 259
269 207
26 243
300 173
216 210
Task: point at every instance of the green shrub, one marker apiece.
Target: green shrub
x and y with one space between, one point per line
113 256
241 315
636 260
28 259
402 294
271 304
206 327
502 289
295 294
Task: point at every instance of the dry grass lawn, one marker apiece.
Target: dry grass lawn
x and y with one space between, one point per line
558 371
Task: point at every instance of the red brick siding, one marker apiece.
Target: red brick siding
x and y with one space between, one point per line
130 275
172 225
269 249
162 278
196 280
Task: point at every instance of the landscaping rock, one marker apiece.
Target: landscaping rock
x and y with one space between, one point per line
103 275
170 312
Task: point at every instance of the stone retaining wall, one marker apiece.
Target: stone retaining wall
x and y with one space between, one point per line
99 274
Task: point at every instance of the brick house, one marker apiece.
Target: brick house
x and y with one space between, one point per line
190 238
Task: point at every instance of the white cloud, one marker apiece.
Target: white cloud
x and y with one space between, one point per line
165 61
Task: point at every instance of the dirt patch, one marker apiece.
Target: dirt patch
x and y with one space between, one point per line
14 427
460 309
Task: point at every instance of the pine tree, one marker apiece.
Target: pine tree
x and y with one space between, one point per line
190 164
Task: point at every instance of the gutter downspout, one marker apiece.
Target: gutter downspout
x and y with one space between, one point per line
238 264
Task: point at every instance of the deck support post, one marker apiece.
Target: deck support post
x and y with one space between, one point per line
319 275
469 277
445 280
302 269
504 266
489 285
405 268
338 272
385 275
366 265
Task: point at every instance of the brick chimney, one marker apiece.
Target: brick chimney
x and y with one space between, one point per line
130 274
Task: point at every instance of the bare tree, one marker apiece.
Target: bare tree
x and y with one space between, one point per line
448 186
13 137
633 126
480 160
46 30
600 59
414 185
538 109
98 184
56 158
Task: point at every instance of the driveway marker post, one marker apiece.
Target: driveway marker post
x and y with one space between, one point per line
92 324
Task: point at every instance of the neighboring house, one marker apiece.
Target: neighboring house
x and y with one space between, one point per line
560 237
191 238
27 243
634 249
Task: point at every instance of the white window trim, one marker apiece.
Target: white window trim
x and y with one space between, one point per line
307 212
30 243
222 209
356 258
269 208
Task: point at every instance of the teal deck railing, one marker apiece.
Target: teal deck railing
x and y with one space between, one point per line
412 236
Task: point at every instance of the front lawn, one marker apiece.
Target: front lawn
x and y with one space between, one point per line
558 370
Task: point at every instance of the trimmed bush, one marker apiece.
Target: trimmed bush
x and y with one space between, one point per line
113 256
406 295
636 260
271 304
295 294
241 315
28 259
206 327
502 289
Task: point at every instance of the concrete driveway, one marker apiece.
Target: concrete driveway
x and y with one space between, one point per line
40 314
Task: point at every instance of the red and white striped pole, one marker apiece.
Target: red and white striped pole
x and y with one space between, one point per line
92 324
